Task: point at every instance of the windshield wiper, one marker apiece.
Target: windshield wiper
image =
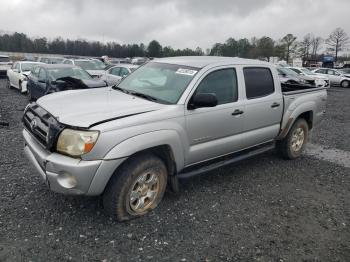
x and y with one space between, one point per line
115 87
148 97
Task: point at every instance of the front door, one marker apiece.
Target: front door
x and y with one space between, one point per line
213 131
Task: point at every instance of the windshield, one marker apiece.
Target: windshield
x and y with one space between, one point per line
286 71
90 65
165 82
27 66
99 64
78 73
307 71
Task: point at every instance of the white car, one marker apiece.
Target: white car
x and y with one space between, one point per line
114 74
335 76
93 66
5 64
311 77
17 74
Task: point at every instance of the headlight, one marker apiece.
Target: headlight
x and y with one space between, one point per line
75 142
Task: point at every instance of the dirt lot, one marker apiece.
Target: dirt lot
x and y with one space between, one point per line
263 209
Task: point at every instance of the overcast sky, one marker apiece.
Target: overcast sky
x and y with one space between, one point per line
178 23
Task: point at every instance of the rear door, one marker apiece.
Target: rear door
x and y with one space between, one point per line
263 105
214 131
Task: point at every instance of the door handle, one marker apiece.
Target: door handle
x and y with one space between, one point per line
275 105
237 112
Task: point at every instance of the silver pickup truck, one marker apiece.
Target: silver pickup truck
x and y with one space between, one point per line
172 118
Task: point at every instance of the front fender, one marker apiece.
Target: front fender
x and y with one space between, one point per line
148 140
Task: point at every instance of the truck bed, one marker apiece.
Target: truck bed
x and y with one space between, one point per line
291 89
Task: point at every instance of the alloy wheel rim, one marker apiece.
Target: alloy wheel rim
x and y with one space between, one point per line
144 192
346 84
298 138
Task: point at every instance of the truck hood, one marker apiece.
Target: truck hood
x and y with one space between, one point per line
87 108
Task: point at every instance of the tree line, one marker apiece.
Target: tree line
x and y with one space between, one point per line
262 48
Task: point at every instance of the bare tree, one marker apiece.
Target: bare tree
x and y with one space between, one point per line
315 45
305 46
290 45
337 41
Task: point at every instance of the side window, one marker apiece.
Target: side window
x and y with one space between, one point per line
115 71
222 83
42 74
258 82
17 67
68 62
124 71
321 71
330 72
14 66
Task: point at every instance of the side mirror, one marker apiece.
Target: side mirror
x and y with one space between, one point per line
203 100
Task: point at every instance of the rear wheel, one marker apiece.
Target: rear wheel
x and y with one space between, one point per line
136 188
345 84
294 143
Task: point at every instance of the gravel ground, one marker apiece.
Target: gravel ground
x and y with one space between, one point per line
263 209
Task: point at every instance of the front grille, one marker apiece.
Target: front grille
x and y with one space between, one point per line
42 125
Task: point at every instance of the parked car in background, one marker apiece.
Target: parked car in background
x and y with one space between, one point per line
46 79
17 75
311 77
139 60
172 118
335 76
5 64
51 60
288 76
94 67
116 61
114 74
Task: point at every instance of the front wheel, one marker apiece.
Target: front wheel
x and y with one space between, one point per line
136 188
294 143
345 84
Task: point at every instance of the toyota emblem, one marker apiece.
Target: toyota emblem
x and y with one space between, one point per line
33 124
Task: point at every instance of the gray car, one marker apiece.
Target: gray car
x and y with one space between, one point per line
172 118
94 67
336 77
114 74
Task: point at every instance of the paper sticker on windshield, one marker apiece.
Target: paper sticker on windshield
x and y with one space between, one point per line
183 71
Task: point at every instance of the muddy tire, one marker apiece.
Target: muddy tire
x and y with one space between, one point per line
136 188
292 146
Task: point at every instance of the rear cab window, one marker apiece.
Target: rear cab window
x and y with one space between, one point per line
258 82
